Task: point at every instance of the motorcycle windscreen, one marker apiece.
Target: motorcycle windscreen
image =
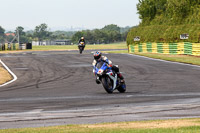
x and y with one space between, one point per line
100 64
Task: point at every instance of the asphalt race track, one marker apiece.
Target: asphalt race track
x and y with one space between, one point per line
58 88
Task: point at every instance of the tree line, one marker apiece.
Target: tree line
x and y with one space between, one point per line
166 20
169 12
40 33
108 34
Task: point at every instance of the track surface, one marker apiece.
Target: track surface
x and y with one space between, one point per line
56 88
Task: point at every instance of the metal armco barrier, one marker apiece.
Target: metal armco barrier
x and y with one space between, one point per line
186 48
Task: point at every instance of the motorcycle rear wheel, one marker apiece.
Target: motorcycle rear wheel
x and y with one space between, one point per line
107 84
122 88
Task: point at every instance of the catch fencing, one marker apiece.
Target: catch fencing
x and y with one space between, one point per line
185 48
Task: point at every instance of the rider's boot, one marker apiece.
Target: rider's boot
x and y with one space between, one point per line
98 80
121 77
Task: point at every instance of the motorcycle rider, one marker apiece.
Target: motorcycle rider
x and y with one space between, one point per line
97 58
82 40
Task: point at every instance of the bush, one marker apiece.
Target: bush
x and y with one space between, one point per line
164 33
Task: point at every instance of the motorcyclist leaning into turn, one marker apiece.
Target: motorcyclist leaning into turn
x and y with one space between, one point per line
82 40
98 58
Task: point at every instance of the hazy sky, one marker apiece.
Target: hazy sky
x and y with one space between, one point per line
66 13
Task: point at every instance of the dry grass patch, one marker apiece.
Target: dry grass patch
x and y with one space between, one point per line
4 75
149 124
10 52
157 126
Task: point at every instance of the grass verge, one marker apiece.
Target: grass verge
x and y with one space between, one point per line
121 45
117 52
75 47
4 75
188 59
195 60
158 126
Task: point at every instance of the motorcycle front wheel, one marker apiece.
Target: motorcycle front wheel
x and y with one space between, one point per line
80 50
107 84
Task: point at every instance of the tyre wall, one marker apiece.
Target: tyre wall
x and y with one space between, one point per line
186 48
15 46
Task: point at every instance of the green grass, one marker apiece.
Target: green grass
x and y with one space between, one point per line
156 126
188 59
176 58
117 52
121 45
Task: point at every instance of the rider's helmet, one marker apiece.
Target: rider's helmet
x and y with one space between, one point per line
97 55
82 37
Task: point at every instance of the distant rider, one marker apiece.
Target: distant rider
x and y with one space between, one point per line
98 58
80 41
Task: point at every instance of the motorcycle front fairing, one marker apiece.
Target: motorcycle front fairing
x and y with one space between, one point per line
81 44
102 69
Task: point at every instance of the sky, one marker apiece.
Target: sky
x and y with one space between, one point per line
88 14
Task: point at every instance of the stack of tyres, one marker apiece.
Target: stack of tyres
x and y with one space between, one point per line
173 48
22 46
160 48
15 46
29 46
132 49
165 48
188 48
3 47
149 47
9 46
6 46
140 48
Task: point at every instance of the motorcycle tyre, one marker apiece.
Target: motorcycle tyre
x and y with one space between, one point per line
106 85
122 89
80 50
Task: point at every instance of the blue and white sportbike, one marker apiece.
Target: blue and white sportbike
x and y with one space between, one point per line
109 78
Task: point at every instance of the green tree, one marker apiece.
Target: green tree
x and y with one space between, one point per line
111 27
2 34
89 36
178 10
41 32
77 36
22 35
149 9
20 29
100 36
108 34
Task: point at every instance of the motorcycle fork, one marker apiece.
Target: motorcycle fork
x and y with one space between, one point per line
114 78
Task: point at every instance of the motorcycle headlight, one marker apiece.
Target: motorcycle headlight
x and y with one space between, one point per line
100 71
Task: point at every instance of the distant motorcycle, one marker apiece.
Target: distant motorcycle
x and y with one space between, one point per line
109 78
81 47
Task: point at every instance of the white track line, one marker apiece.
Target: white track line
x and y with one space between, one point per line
13 75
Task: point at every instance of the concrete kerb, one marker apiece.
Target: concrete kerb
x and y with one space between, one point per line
13 75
